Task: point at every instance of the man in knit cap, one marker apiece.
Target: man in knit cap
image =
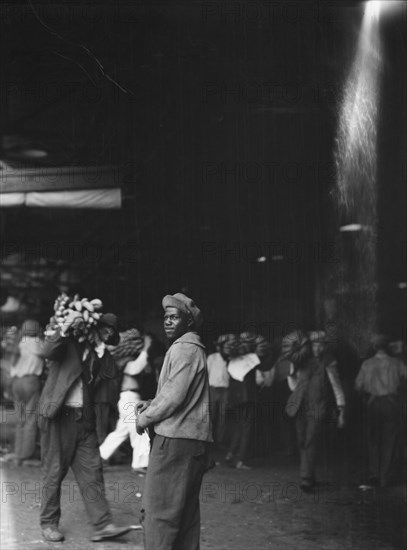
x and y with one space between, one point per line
179 416
380 378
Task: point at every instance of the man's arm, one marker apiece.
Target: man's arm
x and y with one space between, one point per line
185 364
55 339
336 384
138 365
360 379
54 345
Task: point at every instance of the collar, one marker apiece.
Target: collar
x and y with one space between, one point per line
189 338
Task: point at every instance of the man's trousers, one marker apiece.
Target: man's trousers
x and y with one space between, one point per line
171 494
26 394
308 426
384 416
68 441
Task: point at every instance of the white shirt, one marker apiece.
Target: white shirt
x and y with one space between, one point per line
240 366
138 365
217 371
30 361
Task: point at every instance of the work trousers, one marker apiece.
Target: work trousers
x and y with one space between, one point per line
69 441
243 418
383 415
26 393
171 494
308 426
218 400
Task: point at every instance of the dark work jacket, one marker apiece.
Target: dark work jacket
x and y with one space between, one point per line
65 367
313 390
246 391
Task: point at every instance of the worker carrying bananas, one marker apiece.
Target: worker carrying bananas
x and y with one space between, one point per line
67 422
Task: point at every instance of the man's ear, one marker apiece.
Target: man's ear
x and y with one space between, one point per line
190 321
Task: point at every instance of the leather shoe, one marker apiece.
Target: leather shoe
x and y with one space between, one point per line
307 485
52 534
110 532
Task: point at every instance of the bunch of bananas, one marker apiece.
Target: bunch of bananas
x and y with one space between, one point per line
89 313
234 345
131 343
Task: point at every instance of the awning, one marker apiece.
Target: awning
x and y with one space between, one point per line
90 198
73 187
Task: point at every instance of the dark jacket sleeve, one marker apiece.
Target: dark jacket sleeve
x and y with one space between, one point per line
108 367
54 346
185 364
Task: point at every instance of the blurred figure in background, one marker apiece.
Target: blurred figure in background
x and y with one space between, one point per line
26 389
283 385
381 378
309 402
138 383
218 389
244 400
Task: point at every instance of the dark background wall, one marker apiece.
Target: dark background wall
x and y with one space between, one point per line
224 144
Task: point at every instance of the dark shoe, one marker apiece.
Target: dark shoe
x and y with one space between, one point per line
307 485
52 534
242 466
111 531
139 471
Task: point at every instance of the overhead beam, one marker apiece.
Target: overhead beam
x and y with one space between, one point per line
64 178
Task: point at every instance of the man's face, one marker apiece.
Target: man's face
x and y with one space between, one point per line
317 348
106 333
176 323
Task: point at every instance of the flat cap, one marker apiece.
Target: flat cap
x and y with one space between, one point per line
185 304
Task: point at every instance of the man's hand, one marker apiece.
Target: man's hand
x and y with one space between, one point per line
70 320
142 406
139 430
147 342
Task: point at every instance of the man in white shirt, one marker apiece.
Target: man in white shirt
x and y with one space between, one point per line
218 390
126 424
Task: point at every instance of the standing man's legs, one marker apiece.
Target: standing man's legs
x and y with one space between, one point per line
388 439
214 402
308 428
373 439
223 403
248 417
171 494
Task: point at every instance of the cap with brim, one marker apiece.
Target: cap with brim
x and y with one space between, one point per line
184 304
110 320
